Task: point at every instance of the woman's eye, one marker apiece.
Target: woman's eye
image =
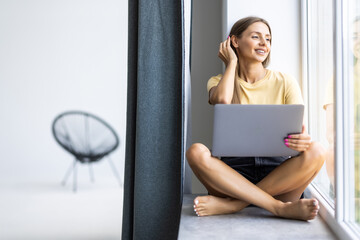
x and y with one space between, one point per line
268 39
255 37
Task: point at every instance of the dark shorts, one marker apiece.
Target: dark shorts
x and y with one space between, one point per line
254 168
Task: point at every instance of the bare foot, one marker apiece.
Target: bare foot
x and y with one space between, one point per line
303 209
211 205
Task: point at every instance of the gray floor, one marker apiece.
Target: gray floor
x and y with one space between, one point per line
251 223
39 210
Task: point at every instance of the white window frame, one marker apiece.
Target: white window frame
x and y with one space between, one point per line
339 219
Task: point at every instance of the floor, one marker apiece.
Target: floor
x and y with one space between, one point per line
46 210
251 223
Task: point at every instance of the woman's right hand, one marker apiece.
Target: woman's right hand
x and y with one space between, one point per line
226 53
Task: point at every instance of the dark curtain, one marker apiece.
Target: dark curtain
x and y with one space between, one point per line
154 145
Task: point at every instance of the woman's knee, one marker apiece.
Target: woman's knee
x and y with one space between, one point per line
197 153
315 155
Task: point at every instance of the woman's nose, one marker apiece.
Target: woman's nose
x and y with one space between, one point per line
262 41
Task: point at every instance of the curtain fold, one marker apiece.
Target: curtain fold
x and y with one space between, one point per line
154 138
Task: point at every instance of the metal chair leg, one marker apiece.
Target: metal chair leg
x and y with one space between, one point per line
114 170
91 173
67 175
74 175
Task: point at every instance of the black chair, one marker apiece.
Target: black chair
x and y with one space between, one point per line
87 137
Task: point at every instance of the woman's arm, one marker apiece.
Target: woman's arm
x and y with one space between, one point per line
223 92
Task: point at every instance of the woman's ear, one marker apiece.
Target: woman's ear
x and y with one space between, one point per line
234 42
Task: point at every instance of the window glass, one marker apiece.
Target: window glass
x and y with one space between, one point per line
321 89
354 99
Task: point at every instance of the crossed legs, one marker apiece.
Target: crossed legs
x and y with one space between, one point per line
278 192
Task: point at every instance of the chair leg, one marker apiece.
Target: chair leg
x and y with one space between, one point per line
74 175
91 173
68 172
114 170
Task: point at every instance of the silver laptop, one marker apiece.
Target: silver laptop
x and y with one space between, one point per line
255 130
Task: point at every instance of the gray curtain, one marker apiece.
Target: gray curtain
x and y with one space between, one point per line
155 105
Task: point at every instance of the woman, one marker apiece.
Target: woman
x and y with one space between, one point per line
234 183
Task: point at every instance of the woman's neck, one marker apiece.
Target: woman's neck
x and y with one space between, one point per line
251 73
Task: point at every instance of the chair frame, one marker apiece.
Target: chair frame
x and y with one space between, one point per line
81 157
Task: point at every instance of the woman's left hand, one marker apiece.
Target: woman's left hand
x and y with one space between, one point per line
298 142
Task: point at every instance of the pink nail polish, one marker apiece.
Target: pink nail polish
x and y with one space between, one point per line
286 140
287 144
289 136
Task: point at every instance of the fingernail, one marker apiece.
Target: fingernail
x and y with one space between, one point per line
289 136
228 36
315 203
286 140
194 210
196 202
194 206
287 144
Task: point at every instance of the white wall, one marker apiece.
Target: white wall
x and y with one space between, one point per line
211 25
206 37
57 56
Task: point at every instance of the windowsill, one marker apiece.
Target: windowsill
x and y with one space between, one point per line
250 223
327 213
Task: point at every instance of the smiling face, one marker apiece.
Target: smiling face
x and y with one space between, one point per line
254 44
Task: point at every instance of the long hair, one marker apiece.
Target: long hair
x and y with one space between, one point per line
237 30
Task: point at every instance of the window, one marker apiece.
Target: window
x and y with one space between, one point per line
353 97
331 88
320 66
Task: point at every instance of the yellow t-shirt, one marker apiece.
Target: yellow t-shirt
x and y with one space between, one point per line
274 88
329 98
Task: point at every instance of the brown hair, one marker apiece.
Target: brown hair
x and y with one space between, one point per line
241 25
237 29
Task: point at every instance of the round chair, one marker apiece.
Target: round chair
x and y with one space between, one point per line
87 137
